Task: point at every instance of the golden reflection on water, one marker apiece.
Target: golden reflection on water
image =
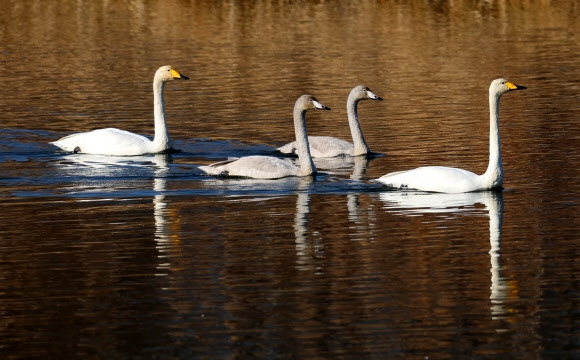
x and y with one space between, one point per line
322 270
88 65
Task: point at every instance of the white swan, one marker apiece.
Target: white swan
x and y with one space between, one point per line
326 146
453 180
113 141
268 167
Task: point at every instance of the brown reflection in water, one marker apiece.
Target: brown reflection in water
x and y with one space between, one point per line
91 65
233 271
74 65
342 285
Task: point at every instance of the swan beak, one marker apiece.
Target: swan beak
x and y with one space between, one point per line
374 96
177 75
513 86
319 106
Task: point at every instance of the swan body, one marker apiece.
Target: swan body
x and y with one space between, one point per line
268 167
453 180
111 141
327 146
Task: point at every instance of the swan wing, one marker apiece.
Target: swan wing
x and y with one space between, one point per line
322 147
327 146
433 179
258 167
108 141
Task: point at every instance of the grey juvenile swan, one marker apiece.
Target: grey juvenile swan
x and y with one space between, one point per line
268 167
327 146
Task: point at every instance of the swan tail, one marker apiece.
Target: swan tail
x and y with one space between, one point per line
289 148
210 170
215 168
67 143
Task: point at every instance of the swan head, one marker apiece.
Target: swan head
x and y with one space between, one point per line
166 73
309 102
362 92
501 86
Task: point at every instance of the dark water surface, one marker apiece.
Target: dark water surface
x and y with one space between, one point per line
145 257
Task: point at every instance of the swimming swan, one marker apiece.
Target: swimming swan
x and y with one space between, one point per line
113 141
268 167
326 146
453 180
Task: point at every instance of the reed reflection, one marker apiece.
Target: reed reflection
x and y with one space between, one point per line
412 203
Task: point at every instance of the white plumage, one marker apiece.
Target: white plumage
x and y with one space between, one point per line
111 141
453 180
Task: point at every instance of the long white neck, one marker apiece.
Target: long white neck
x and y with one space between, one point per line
360 145
162 140
302 147
493 177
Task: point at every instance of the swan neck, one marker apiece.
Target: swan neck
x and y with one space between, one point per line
302 146
162 140
360 145
493 177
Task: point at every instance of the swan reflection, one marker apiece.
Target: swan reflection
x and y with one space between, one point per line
306 251
117 172
247 190
97 175
359 169
165 238
412 203
93 161
343 165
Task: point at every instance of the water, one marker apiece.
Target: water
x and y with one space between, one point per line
145 257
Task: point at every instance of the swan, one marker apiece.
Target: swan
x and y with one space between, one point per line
113 141
268 167
453 180
326 146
